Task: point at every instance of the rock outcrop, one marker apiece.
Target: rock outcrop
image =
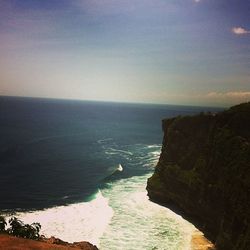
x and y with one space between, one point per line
204 174
84 245
13 243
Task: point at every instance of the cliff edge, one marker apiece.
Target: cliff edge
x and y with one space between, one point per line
15 243
204 174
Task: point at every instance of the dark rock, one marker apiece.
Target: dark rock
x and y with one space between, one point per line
204 174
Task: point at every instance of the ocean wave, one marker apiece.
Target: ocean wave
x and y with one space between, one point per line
154 146
149 165
138 223
155 153
119 151
75 222
65 197
104 140
113 172
120 216
120 168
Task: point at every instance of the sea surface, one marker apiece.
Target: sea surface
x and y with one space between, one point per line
80 169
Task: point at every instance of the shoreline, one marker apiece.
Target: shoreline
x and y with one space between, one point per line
200 242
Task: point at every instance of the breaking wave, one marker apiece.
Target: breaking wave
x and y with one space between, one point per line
85 221
119 216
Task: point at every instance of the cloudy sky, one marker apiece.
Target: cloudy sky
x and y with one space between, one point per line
194 52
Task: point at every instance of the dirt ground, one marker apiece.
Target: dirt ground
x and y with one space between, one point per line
14 243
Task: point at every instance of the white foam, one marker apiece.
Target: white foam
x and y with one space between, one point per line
120 216
76 222
155 153
154 146
104 140
120 151
120 168
138 223
110 153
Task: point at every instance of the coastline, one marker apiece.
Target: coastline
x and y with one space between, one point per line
200 242
196 174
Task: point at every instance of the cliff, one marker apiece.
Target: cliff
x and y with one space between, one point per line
10 242
204 174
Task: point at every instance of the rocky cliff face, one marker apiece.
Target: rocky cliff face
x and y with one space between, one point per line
204 174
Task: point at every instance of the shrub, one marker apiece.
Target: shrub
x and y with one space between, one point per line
19 229
3 223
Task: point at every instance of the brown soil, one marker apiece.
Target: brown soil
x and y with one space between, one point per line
8 242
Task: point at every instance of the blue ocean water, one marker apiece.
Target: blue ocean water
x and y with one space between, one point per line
87 162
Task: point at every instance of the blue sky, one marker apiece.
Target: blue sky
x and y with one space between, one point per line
154 51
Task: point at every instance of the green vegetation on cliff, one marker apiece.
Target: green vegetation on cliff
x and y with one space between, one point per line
19 229
204 173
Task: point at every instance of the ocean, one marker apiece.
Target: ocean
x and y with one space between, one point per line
80 169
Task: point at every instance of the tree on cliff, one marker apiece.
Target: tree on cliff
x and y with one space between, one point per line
19 229
3 223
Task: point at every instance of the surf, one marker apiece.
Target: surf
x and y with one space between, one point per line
85 221
138 223
113 173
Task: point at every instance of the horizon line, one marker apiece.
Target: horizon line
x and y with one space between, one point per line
118 102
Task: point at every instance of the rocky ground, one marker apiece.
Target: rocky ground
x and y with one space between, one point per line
8 242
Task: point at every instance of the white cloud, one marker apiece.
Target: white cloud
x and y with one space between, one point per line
240 31
228 98
212 98
235 94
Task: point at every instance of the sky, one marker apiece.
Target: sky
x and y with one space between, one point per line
188 52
